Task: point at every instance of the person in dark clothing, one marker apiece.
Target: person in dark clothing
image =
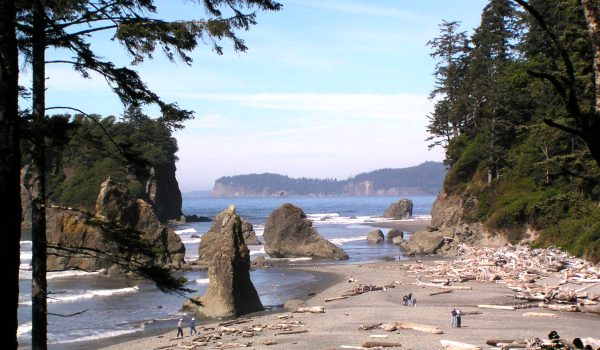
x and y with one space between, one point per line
180 328
454 317
458 318
193 326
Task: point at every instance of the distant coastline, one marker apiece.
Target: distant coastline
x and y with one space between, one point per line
423 179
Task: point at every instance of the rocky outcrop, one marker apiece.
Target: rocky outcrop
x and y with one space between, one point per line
399 210
394 233
288 233
196 218
119 217
446 210
230 291
163 191
375 236
249 234
445 241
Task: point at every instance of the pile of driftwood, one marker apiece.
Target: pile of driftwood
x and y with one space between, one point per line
565 288
285 324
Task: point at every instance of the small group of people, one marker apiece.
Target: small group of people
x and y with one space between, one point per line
192 327
408 300
456 317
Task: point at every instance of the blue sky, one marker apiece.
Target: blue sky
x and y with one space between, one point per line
328 88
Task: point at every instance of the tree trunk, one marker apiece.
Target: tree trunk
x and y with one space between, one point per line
10 148
592 15
39 317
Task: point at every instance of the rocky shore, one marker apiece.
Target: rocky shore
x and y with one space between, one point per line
369 295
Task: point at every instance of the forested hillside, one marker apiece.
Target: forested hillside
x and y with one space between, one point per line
136 150
422 179
517 112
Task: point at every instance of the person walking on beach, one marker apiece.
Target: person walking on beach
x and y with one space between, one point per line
458 318
454 317
193 326
179 328
414 303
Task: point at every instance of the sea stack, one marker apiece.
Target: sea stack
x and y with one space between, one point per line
230 291
401 209
289 234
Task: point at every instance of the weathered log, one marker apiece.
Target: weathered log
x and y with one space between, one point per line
311 309
451 344
376 344
495 342
496 307
562 308
335 298
293 331
593 309
388 327
438 293
456 287
270 342
366 327
540 314
419 327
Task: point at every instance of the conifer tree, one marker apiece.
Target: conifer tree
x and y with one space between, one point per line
10 198
68 25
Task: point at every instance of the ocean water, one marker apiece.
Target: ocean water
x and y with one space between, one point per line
112 307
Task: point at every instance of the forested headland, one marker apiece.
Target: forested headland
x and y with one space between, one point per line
516 110
423 179
136 150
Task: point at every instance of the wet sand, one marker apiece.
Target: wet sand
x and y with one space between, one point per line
339 325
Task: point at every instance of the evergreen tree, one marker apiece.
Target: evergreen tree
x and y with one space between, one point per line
10 203
450 48
59 24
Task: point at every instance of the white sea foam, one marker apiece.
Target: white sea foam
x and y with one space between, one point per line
323 216
87 294
336 219
259 230
186 230
104 335
417 218
260 250
305 258
203 281
26 256
26 242
341 241
71 273
24 329
191 240
191 257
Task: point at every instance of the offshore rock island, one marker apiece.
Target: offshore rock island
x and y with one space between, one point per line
423 179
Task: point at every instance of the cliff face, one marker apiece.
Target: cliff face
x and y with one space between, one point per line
77 241
161 192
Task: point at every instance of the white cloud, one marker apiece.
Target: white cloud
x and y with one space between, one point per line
306 134
373 106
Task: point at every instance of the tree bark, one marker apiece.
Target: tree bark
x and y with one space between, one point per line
592 15
10 203
39 317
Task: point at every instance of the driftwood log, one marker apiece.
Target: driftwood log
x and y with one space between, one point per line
419 327
311 309
380 344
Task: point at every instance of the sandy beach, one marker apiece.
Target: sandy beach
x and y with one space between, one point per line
339 324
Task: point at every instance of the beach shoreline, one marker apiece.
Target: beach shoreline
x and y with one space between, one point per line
339 324
322 280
